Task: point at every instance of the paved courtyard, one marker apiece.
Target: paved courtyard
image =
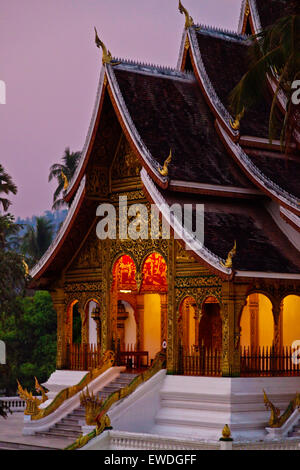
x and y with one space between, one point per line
11 433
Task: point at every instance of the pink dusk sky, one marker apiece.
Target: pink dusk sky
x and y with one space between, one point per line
51 66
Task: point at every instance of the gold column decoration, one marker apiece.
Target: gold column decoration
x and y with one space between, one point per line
140 321
59 306
254 315
233 301
84 324
105 296
172 339
164 316
277 307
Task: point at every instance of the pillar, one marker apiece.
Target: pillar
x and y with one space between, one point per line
233 301
164 316
277 315
253 312
59 306
140 321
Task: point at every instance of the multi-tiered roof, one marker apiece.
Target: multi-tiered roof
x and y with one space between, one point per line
250 190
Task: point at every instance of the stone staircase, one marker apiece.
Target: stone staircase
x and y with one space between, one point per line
295 432
70 426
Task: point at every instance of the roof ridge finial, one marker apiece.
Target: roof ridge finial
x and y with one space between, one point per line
188 19
106 54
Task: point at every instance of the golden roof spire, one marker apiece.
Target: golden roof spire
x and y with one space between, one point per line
164 170
231 254
106 55
188 19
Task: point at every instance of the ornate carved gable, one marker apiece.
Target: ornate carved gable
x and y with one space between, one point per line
125 163
183 255
97 181
90 254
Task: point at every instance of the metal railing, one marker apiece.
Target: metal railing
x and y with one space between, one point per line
269 361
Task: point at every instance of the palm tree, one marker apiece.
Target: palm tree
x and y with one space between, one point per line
6 186
63 172
37 239
275 50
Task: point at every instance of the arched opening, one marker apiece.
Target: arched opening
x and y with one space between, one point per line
210 328
153 290
93 320
126 326
257 323
75 324
188 325
290 320
138 308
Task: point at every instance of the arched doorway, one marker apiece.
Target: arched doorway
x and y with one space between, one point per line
126 326
258 356
154 292
74 324
257 323
188 325
93 320
210 328
139 307
290 320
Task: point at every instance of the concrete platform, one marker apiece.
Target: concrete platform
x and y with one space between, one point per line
201 406
11 436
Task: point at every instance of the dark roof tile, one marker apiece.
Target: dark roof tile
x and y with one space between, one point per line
171 113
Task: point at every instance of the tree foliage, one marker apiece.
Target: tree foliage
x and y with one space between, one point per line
7 186
275 51
68 167
37 239
30 337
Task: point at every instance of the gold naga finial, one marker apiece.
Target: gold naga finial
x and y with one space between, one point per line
236 123
188 19
106 55
164 170
65 179
226 433
231 254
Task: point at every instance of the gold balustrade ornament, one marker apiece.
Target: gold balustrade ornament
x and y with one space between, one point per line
276 421
92 404
32 403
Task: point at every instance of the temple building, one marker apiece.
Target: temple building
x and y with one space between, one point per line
224 306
